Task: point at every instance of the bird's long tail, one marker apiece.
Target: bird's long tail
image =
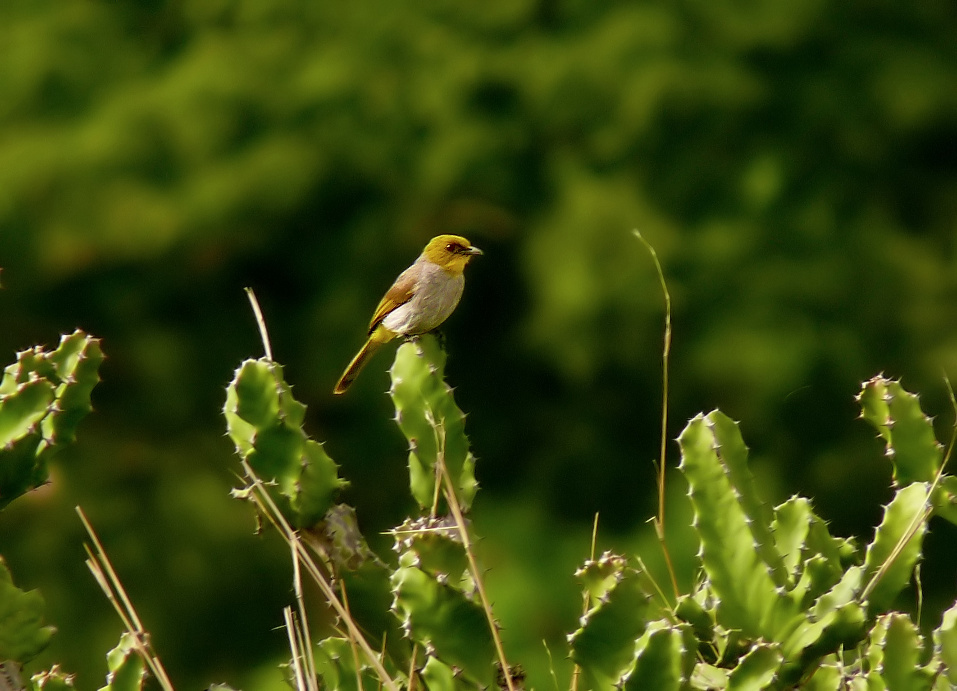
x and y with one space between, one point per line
379 337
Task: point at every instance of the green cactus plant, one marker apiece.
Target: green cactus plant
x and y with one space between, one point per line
127 668
780 603
443 619
945 645
783 604
53 679
22 631
265 421
43 397
733 545
433 424
915 453
604 647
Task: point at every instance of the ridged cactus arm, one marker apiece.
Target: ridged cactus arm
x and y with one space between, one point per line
915 453
791 525
872 654
445 621
664 658
264 421
945 499
336 665
839 551
902 667
127 668
757 670
427 415
896 547
23 408
733 453
813 557
748 597
435 546
845 592
439 676
690 610
835 622
604 645
77 363
43 397
53 679
945 645
829 676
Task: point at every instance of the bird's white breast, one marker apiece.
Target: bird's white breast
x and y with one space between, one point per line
435 296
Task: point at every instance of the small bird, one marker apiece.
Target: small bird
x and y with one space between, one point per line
422 297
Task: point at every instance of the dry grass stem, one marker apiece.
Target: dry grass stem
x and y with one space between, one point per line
102 570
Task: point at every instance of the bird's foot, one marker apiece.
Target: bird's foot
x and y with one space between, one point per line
437 333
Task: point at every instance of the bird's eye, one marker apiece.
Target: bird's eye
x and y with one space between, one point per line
451 247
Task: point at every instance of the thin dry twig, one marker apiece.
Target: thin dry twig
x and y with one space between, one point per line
352 643
295 638
576 670
105 576
665 365
456 509
260 322
303 632
269 508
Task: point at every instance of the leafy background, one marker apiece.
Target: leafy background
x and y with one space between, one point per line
794 163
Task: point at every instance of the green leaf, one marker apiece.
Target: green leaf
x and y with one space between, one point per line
256 388
908 433
709 678
22 632
905 513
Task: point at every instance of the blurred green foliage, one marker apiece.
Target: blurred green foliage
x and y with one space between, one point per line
794 163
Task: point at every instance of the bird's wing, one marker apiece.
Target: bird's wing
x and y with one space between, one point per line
400 293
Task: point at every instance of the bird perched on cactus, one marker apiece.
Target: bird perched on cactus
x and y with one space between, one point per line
422 297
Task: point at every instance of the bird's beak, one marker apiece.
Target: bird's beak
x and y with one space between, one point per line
473 250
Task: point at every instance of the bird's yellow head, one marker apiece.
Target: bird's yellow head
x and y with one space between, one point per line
451 252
